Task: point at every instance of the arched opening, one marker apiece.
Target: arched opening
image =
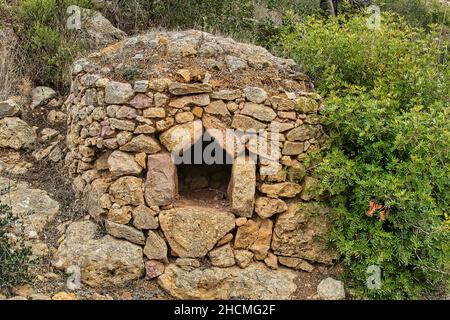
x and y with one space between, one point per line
204 172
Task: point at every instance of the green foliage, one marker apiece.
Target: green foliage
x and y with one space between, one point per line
418 13
387 110
44 40
14 258
242 19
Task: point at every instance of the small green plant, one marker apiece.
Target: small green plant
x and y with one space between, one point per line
44 40
418 13
386 169
14 255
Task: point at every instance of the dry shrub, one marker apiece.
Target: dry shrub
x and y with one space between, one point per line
10 74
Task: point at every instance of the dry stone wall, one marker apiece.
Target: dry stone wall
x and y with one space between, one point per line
136 103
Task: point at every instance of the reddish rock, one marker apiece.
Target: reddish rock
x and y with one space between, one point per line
153 269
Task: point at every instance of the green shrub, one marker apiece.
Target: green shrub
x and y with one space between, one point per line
235 18
14 258
418 13
386 96
44 40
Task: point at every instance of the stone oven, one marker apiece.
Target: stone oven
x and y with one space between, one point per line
144 112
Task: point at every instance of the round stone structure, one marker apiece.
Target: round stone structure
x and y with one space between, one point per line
136 111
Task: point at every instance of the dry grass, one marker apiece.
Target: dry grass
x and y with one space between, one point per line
10 75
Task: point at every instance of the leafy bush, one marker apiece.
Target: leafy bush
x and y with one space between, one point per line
244 20
419 13
386 169
40 26
14 257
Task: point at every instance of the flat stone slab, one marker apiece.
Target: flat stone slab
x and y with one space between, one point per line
193 231
256 282
104 261
34 206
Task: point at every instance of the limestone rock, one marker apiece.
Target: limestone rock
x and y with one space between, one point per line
180 89
39 297
103 261
125 125
243 258
267 207
245 123
217 107
161 184
246 235
41 95
222 256
254 282
159 85
99 30
331 289
193 231
9 108
271 261
16 133
93 194
127 190
120 215
118 92
259 112
301 232
187 264
255 94
226 239
283 189
182 136
144 218
34 206
11 162
296 263
255 236
55 117
122 164
241 190
141 159
141 86
184 117
64 296
142 143
125 232
154 113
302 133
200 100
292 148
226 94
234 63
125 112
160 99
282 103
155 247
261 245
